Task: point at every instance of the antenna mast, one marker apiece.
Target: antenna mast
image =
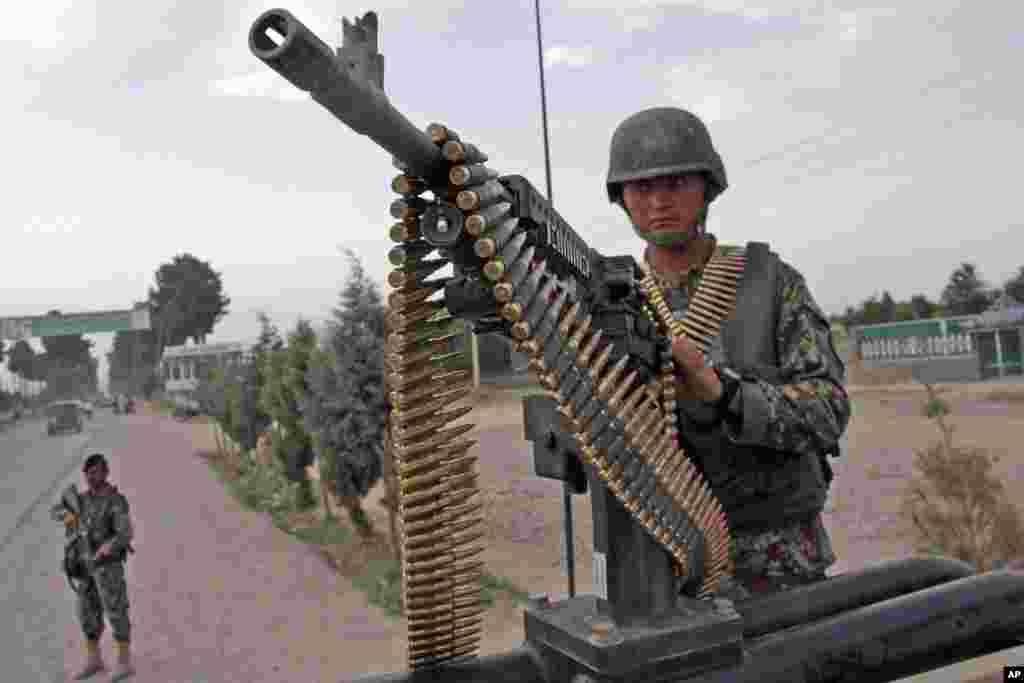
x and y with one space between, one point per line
568 550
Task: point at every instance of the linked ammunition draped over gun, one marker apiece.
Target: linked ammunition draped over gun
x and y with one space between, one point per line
595 329
596 332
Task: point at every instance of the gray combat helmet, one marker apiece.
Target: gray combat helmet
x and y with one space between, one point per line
663 141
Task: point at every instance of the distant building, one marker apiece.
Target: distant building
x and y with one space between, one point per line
998 335
958 349
181 366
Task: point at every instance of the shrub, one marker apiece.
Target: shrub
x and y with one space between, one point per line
958 506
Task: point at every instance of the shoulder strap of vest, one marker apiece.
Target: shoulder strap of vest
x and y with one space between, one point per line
755 294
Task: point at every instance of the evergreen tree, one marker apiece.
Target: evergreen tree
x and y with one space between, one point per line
348 406
1014 287
966 293
886 308
922 307
282 396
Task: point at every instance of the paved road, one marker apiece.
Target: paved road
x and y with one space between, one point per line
218 594
34 599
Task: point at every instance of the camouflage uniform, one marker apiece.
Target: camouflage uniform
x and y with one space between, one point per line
808 414
106 516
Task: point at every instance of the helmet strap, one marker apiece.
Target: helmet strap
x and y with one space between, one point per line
673 238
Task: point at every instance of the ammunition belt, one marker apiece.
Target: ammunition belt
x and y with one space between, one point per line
625 427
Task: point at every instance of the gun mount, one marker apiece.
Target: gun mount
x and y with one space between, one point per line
662 539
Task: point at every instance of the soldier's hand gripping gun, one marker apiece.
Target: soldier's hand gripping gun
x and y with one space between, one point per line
78 551
595 329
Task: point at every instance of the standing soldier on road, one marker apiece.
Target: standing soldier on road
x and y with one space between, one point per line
760 415
105 525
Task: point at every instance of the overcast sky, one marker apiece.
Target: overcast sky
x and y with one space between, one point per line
875 147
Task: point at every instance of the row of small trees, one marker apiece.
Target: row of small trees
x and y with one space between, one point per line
322 399
65 364
965 293
186 302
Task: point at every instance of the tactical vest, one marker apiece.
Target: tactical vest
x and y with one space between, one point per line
99 523
759 487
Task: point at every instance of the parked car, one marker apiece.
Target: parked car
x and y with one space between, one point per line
124 404
62 417
86 408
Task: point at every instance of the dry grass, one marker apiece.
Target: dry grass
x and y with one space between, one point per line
1008 395
959 508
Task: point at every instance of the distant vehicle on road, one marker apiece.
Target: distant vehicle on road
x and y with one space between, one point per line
124 404
86 408
63 417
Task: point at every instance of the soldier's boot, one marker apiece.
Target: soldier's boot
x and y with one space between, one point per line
93 661
123 669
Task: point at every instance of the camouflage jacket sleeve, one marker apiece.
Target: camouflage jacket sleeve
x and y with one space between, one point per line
809 410
121 523
57 511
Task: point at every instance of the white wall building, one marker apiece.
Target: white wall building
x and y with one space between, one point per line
180 365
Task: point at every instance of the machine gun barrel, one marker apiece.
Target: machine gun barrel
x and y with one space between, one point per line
350 86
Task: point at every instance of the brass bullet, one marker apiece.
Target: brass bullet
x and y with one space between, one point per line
494 269
512 312
408 185
583 359
610 382
404 232
440 133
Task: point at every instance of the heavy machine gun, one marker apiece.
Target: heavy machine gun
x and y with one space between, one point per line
597 333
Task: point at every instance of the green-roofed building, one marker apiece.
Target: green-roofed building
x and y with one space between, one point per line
956 349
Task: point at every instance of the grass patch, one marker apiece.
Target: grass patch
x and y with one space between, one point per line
382 582
366 563
493 585
326 531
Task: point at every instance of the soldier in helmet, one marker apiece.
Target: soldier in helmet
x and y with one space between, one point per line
104 519
759 414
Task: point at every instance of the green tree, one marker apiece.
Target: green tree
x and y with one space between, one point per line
349 409
132 362
187 302
248 415
1014 287
922 307
66 350
282 396
886 308
231 394
23 361
966 293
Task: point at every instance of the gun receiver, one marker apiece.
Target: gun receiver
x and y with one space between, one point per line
590 329
585 320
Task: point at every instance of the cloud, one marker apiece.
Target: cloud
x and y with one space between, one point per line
644 11
713 97
263 83
55 26
568 55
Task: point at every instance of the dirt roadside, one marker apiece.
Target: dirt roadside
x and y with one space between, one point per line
265 601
